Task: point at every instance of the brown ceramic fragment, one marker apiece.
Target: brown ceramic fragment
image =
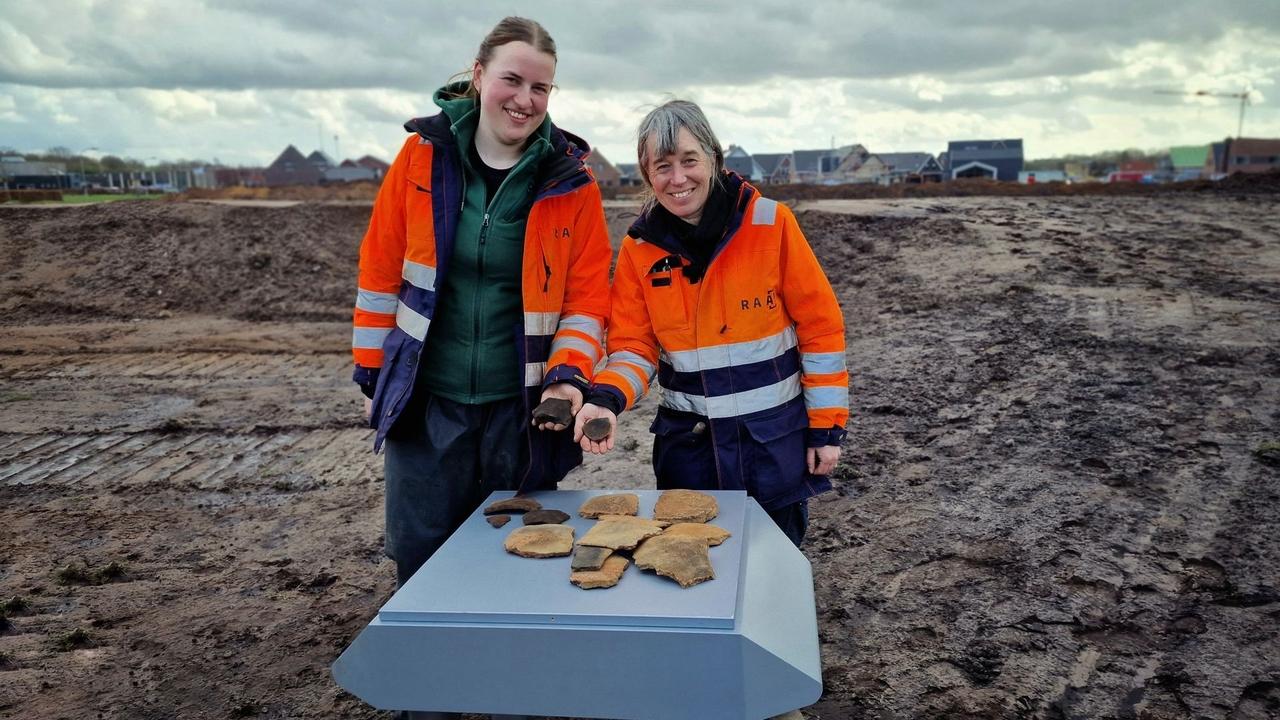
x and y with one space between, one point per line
553 410
647 522
588 557
540 541
683 559
685 506
606 577
616 504
710 534
498 520
597 429
618 534
544 517
513 505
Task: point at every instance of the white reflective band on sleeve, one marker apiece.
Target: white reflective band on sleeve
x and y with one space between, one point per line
413 324
378 302
368 338
821 398
743 403
586 347
764 212
629 357
821 363
628 373
533 373
536 323
422 276
743 353
584 324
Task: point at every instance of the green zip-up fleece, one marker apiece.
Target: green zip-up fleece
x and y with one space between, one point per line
470 353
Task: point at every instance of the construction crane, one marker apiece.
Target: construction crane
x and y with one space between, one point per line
1242 96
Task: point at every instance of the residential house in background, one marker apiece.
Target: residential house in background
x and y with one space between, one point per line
235 177
293 168
776 168
994 159
853 160
378 167
1252 155
819 166
629 175
320 160
607 176
348 171
740 161
1188 161
894 168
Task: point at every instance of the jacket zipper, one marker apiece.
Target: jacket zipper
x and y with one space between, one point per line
475 304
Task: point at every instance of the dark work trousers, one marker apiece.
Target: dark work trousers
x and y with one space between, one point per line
442 460
679 454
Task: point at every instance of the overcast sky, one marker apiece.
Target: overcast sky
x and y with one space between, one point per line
237 80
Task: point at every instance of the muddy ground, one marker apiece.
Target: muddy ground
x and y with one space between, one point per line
1058 498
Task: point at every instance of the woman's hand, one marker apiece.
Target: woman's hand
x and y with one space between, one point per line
822 460
594 412
562 391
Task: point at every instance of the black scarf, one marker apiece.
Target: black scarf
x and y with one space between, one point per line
700 241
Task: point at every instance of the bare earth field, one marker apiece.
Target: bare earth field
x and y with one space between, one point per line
1058 499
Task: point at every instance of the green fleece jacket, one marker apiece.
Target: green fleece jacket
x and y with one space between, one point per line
470 353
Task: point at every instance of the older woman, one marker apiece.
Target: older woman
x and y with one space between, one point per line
718 293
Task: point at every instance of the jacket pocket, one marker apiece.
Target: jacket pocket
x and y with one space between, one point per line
683 456
776 452
391 351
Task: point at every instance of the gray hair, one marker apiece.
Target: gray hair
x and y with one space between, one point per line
660 130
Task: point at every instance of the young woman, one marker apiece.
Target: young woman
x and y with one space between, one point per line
717 292
483 289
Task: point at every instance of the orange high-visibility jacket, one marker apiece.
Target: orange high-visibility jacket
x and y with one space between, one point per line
405 256
761 330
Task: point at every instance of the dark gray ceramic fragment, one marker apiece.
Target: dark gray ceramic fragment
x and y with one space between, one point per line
545 517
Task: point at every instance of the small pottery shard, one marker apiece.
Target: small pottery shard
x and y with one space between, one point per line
685 506
710 534
545 517
553 410
637 520
597 429
540 541
498 520
685 560
618 534
513 505
605 577
587 557
619 504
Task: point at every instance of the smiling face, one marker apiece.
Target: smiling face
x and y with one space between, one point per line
513 87
681 180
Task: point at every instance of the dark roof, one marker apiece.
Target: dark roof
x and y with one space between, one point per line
319 157
741 164
769 162
808 160
910 161
289 155
370 161
961 150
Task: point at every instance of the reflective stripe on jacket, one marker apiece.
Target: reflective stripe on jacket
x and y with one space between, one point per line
743 344
405 255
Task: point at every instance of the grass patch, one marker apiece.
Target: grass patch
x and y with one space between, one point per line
15 605
1268 453
75 199
72 575
8 397
73 640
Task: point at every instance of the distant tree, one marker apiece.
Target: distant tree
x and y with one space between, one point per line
111 163
59 152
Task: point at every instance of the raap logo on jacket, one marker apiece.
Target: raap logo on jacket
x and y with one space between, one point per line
769 302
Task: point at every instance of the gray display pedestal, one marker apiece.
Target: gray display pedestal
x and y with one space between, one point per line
480 630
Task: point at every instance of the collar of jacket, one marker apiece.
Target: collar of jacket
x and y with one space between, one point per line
562 169
644 228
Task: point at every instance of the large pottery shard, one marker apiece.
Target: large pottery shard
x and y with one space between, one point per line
540 541
605 577
710 534
618 534
685 506
619 504
513 505
685 560
586 557
553 410
544 517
